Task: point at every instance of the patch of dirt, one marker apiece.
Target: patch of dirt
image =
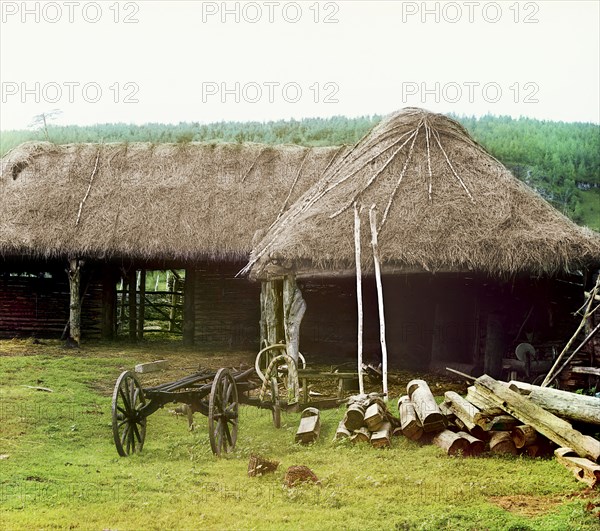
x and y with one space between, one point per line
525 505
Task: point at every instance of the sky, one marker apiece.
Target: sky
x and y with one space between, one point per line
193 61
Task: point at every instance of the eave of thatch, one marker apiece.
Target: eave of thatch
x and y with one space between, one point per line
149 201
442 204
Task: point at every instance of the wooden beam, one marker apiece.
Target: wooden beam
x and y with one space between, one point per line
549 425
189 307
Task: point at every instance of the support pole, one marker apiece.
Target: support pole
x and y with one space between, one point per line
132 305
75 301
142 304
361 384
109 302
384 354
189 307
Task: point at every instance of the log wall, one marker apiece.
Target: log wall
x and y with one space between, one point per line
227 309
36 303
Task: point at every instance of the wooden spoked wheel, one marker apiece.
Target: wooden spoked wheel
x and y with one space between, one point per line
128 423
223 413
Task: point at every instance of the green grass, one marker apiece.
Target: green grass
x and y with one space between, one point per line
63 471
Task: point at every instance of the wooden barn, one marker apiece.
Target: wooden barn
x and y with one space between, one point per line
472 261
77 219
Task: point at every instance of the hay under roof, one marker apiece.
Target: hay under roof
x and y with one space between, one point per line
148 201
442 204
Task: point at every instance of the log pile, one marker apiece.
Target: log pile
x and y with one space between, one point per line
498 417
368 419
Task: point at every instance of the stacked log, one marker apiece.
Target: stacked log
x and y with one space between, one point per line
498 417
368 419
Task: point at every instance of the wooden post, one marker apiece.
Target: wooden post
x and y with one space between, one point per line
271 303
124 284
361 383
189 307
384 356
294 307
75 301
109 303
132 305
495 345
142 305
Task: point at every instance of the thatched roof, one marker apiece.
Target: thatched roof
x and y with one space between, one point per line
442 203
149 201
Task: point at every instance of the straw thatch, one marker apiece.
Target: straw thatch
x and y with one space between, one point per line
148 201
442 203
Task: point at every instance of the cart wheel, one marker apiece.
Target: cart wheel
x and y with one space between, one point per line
128 423
223 413
276 407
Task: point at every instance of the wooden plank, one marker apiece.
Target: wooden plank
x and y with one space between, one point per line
153 366
549 425
583 469
586 370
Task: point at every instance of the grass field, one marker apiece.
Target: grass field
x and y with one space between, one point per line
59 468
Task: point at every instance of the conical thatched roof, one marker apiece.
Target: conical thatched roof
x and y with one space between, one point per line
442 203
147 201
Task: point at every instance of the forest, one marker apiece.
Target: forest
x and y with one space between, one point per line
560 160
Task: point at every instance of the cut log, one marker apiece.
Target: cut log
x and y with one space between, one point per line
465 412
355 417
564 404
583 469
495 419
257 466
502 443
524 436
426 407
374 417
360 435
478 400
451 442
476 446
310 426
342 432
549 425
382 438
409 423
